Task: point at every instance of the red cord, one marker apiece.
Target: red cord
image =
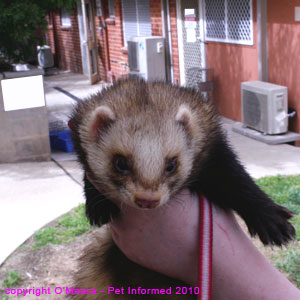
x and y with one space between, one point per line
205 250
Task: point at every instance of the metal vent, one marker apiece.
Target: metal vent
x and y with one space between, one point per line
132 56
255 110
229 21
252 109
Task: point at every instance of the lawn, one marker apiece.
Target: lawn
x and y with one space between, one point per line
68 231
65 230
285 190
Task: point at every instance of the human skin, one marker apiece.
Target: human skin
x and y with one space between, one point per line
166 240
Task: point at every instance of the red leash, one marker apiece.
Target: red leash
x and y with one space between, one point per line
205 250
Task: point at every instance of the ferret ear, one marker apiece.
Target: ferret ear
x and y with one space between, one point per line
184 117
101 118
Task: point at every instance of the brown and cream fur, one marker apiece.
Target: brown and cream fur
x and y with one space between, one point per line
103 265
151 125
180 128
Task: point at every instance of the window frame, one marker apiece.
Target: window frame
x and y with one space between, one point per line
227 39
138 23
111 9
63 16
98 8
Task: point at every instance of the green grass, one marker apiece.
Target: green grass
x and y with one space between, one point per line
11 280
285 190
290 264
65 230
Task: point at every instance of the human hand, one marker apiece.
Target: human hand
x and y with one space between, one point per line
164 239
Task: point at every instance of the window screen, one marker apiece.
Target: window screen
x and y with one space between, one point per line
136 18
98 8
229 21
65 18
111 8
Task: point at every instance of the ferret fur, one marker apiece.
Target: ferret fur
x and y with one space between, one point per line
103 265
149 123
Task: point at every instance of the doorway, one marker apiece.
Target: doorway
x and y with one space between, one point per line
190 26
88 42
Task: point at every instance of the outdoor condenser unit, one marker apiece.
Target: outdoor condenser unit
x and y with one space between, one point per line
45 56
146 57
264 107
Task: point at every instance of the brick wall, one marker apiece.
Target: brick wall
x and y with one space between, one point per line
118 58
174 37
103 64
65 44
232 65
112 56
50 33
156 18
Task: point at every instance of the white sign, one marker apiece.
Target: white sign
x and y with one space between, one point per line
190 20
22 93
189 12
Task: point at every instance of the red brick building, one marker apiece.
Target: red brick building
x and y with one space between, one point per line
241 40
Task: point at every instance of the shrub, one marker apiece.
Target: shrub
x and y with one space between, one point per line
23 25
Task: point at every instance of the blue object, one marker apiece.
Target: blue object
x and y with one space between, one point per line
61 140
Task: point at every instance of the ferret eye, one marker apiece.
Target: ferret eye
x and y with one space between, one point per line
171 166
121 165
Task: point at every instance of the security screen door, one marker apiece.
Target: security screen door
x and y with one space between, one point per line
191 45
89 41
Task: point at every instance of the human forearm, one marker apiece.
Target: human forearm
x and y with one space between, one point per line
240 271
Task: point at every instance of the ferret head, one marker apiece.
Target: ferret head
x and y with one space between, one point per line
140 156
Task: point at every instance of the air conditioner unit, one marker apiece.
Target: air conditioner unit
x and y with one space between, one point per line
45 56
146 57
264 107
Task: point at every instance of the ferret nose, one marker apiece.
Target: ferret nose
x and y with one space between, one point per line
147 200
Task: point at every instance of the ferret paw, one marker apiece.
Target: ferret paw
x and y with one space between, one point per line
272 225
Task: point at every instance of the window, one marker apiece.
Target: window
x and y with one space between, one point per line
98 8
136 18
229 21
49 18
111 8
65 18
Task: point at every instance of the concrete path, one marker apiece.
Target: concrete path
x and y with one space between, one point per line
261 159
33 194
59 105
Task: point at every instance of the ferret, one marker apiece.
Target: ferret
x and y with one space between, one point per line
143 142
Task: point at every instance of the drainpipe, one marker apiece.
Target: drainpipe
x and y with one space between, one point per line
168 40
262 40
